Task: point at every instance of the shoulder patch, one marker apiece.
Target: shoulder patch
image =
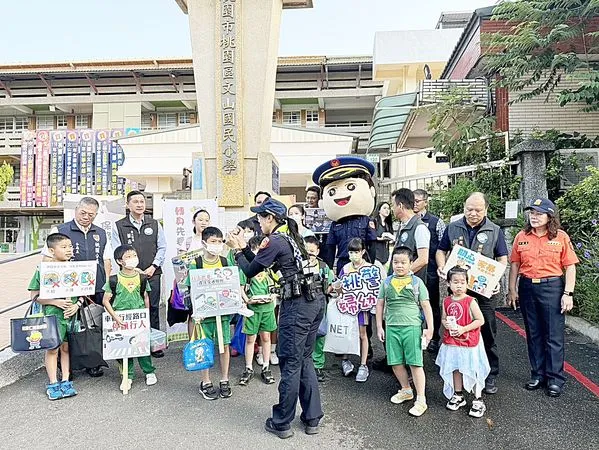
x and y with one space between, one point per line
265 243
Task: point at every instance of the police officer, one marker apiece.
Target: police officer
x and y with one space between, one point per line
89 243
476 232
436 227
540 255
301 310
147 237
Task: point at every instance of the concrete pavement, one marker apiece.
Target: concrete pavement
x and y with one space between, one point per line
173 414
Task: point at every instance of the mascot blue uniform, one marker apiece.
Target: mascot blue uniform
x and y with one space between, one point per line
348 198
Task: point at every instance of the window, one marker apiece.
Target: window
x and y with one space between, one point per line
6 124
146 121
45 122
184 118
61 122
81 121
21 123
167 120
291 118
311 118
274 117
13 124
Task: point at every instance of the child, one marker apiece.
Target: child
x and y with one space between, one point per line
259 300
462 359
356 251
399 300
129 290
211 258
60 248
326 275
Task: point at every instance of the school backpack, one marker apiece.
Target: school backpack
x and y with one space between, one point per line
200 262
114 279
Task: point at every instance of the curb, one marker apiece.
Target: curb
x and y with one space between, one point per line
583 327
14 366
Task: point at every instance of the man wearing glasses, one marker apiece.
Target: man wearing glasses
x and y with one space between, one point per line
89 243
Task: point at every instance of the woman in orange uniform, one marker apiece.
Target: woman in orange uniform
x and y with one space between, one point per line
541 255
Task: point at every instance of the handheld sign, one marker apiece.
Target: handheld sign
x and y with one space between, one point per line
67 279
360 290
484 273
317 220
215 293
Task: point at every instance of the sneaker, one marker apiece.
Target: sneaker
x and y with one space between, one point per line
490 386
478 408
274 359
418 409
234 353
151 379
225 389
208 391
246 376
347 367
67 389
320 375
267 376
129 383
281 433
402 396
363 373
53 391
456 402
260 358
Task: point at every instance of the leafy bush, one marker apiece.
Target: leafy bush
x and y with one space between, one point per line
579 206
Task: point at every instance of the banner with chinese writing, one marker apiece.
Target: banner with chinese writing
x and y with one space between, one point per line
359 290
67 279
27 169
317 220
484 273
116 158
42 167
72 162
129 340
178 228
57 145
215 292
86 150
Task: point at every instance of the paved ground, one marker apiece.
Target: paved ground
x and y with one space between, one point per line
173 414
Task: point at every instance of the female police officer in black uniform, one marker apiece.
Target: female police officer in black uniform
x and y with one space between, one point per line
301 310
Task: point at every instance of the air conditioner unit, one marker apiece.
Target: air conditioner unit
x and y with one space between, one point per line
585 157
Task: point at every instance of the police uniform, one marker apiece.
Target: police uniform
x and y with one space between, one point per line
299 318
344 231
487 239
541 265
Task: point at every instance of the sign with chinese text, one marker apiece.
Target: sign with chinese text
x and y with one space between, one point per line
67 279
317 220
27 172
215 292
130 340
57 146
359 290
484 273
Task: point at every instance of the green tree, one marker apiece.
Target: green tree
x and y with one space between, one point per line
547 41
6 176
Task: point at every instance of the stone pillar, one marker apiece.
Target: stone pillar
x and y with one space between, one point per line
533 167
235 46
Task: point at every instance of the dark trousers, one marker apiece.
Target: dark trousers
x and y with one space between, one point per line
432 286
298 324
154 295
540 304
489 331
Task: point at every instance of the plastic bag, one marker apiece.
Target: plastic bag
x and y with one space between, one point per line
239 337
343 332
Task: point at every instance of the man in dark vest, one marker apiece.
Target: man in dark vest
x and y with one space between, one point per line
89 243
436 227
476 232
147 237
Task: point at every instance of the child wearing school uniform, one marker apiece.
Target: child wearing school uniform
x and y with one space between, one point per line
326 274
211 258
123 292
260 300
60 248
400 299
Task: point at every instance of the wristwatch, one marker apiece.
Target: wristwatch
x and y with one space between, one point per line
155 266
569 293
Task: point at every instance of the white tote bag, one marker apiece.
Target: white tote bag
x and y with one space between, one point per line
343 332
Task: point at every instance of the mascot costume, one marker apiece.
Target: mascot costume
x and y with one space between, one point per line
348 198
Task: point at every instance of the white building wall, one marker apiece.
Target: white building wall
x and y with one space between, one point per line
117 115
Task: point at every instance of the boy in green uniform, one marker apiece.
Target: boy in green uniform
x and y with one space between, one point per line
212 238
123 292
259 299
400 298
60 248
327 276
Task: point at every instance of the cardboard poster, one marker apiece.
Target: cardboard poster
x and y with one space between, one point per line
484 273
360 290
67 279
215 292
130 340
317 220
